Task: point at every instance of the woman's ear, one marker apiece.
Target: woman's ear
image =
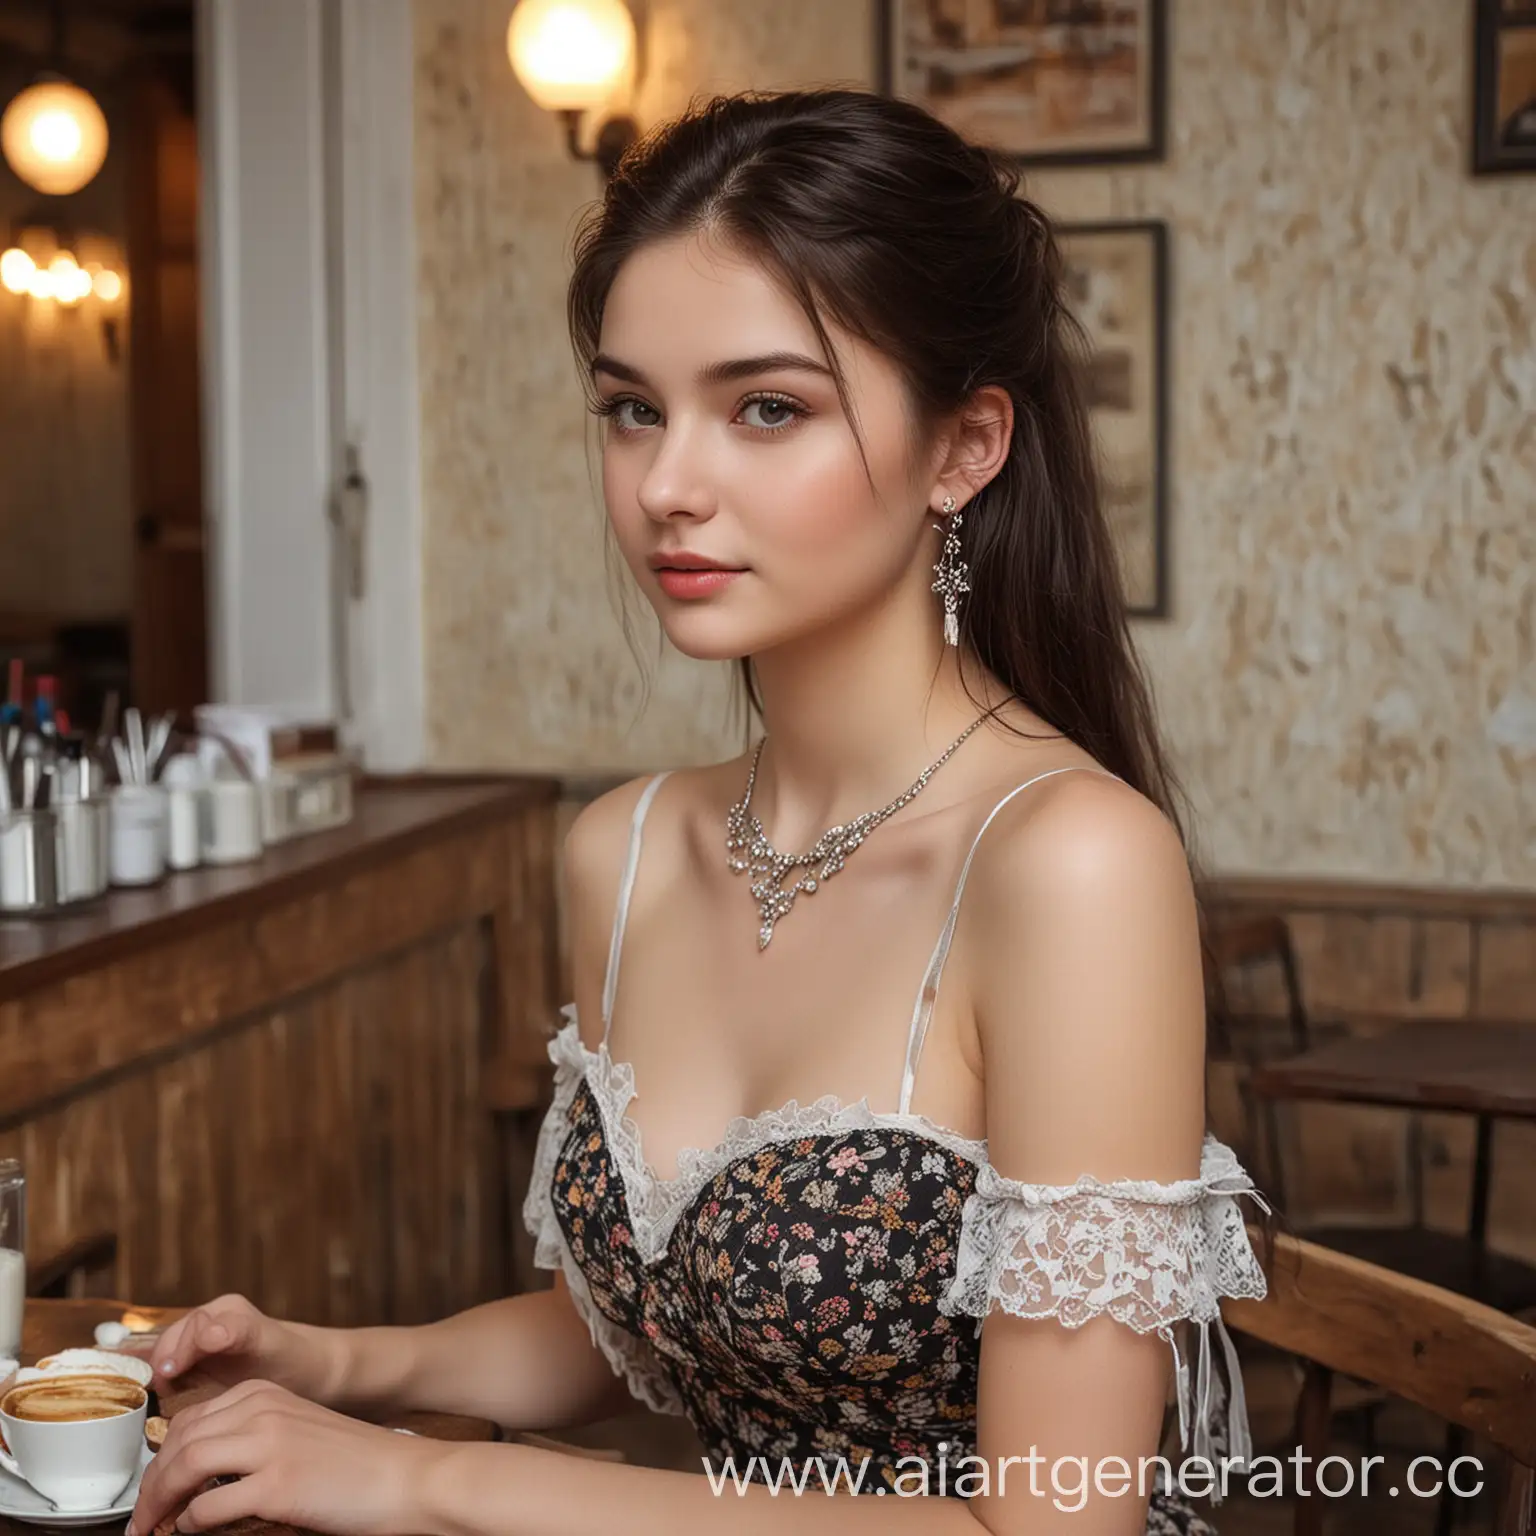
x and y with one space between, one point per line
979 437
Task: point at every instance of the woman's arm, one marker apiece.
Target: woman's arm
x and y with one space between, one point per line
1091 1015
525 1362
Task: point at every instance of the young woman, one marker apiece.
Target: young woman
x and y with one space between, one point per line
792 1186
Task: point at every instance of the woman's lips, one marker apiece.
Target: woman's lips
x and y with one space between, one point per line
699 583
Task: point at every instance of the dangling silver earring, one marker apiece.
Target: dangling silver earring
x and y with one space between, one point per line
954 575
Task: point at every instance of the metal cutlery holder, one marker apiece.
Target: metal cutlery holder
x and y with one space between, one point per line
54 857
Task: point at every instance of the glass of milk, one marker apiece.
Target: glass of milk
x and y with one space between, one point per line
13 1262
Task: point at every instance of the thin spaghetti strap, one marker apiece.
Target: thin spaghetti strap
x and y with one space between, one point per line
626 888
927 994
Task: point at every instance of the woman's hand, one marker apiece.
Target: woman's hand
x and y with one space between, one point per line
228 1341
291 1461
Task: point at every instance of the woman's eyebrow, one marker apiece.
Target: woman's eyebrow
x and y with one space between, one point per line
723 372
769 362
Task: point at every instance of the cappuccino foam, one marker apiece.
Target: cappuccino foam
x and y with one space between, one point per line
72 1399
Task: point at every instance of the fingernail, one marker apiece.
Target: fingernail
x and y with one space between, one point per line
128 1529
169 1368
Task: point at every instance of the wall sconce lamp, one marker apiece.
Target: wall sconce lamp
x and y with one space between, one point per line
53 133
570 56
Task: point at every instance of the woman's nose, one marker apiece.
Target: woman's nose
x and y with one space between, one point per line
679 478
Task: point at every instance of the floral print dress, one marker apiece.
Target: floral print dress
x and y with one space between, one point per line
810 1291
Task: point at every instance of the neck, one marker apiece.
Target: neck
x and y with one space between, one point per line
854 714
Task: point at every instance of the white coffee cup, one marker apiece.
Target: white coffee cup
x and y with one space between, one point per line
78 1464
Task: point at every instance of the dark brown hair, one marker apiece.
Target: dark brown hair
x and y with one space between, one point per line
881 219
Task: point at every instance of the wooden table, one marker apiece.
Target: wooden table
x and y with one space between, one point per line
1484 1070
55 1325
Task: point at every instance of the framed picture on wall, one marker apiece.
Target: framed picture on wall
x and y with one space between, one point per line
1504 88
1064 82
1117 287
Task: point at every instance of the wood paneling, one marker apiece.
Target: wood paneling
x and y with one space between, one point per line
1470 955
290 1103
1506 971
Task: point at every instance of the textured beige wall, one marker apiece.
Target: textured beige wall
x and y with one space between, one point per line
1349 678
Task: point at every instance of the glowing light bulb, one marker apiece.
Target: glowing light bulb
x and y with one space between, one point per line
70 284
570 54
16 269
54 136
41 285
108 286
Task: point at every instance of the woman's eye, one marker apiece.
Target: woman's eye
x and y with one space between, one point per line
771 415
634 414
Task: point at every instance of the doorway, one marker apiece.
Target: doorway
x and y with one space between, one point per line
102 592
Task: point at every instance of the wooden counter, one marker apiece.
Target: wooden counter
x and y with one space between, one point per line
269 1077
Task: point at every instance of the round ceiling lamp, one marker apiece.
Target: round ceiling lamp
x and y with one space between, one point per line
54 136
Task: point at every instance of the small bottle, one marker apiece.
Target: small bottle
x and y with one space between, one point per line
13 1261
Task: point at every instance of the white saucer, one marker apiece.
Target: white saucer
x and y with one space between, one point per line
20 1501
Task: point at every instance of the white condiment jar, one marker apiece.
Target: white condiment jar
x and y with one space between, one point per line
186 786
234 822
138 834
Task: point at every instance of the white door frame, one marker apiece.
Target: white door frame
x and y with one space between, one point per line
309 344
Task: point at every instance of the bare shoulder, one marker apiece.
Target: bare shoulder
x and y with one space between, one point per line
1084 961
593 851
593 855
598 835
1080 838
591 868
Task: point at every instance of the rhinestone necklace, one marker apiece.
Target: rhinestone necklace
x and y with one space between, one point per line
747 846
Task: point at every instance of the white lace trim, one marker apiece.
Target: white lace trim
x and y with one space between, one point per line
630 1356
1151 1255
656 1204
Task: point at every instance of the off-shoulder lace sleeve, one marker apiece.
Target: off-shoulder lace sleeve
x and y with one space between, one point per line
630 1356
1154 1256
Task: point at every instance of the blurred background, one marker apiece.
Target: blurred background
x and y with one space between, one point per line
289 425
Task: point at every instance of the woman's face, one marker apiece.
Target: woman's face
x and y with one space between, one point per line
724 439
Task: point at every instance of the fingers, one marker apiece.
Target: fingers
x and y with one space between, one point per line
227 1436
227 1325
176 1475
222 1504
168 1347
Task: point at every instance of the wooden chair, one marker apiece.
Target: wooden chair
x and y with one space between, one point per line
1451 1260
1464 1362
1243 942
69 1272
1245 1038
